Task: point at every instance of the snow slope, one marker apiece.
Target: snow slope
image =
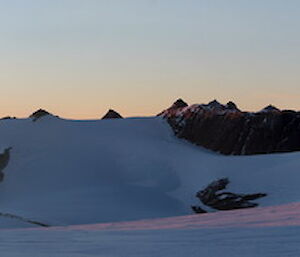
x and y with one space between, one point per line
228 242
260 232
65 172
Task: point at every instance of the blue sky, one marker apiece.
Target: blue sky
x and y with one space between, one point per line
78 58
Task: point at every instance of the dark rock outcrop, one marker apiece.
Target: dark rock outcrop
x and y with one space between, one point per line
39 114
198 209
179 104
212 197
8 118
111 114
4 160
226 129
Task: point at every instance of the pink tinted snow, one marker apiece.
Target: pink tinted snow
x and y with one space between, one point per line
274 216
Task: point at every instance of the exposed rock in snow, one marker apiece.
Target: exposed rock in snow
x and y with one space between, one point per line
214 198
198 209
39 114
4 160
111 114
226 129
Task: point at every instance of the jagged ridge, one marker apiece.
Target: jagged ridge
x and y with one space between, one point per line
228 130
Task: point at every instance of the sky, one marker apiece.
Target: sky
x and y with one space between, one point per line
78 58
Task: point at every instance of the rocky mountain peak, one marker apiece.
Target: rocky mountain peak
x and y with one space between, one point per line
227 130
231 106
270 108
112 114
215 104
39 114
179 104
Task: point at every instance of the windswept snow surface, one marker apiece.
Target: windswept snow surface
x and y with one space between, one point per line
261 232
107 184
65 172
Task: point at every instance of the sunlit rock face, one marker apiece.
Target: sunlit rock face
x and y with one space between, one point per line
111 114
172 110
226 129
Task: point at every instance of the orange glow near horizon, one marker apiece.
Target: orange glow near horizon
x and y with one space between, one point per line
129 108
77 59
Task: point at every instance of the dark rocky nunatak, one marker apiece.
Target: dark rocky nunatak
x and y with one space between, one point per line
226 129
39 114
213 197
111 114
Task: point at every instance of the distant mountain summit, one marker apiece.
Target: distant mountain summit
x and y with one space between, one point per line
270 108
231 106
39 114
111 114
179 104
228 130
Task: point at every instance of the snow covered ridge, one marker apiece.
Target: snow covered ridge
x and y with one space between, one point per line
71 172
125 187
230 131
